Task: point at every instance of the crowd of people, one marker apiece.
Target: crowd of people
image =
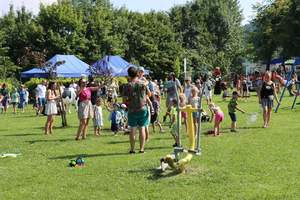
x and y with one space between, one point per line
18 98
140 106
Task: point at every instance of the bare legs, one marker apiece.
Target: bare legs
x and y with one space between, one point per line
141 138
267 116
49 125
217 128
82 129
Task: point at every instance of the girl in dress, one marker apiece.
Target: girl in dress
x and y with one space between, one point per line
98 117
51 107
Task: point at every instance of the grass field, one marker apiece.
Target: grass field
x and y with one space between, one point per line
254 163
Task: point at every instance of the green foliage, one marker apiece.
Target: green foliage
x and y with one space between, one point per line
177 67
208 33
275 30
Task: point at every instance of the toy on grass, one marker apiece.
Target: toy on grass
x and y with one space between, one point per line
173 161
72 163
78 162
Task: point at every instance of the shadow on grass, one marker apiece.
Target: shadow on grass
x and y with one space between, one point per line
153 148
156 174
22 134
118 142
58 140
89 155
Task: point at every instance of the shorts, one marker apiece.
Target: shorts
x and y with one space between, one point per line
14 103
114 127
139 118
154 118
85 110
219 117
41 102
267 102
169 101
208 95
196 115
232 117
4 102
184 115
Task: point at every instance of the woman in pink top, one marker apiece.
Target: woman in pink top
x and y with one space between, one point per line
85 108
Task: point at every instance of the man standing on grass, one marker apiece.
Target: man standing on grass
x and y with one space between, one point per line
135 95
41 96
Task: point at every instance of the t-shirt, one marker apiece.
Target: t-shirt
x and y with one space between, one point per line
85 94
170 86
4 92
41 91
15 97
187 91
115 117
232 105
267 90
135 95
156 106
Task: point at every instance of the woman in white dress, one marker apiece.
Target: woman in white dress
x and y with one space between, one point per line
51 107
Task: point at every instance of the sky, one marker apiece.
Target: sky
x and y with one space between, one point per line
135 5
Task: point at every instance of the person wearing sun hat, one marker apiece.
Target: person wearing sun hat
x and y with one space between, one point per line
85 108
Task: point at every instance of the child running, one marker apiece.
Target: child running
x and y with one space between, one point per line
218 116
232 107
98 117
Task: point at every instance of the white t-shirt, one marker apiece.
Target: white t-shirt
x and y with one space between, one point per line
187 91
41 91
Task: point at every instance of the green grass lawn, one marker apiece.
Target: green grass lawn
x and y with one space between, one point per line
255 163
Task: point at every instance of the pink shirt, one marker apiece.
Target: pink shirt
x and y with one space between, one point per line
85 94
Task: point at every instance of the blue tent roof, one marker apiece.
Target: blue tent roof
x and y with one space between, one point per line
71 68
277 61
297 61
110 65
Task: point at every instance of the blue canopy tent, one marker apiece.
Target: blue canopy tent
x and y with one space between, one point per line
111 66
124 72
72 67
277 61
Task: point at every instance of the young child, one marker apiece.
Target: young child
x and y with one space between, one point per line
232 107
98 117
182 103
174 125
124 114
218 116
155 113
115 117
15 99
194 101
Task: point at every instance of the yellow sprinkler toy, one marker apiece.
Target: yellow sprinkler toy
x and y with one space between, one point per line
172 161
